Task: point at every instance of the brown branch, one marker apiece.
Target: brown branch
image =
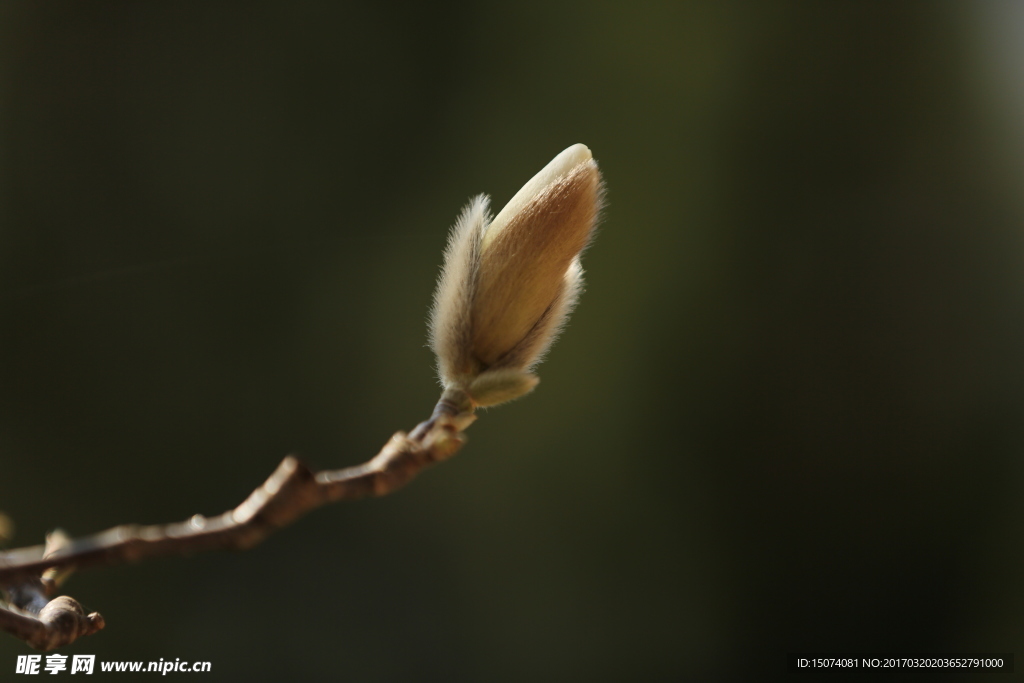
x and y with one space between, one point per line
60 622
27 574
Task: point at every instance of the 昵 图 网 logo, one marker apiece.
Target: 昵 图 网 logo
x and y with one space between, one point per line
54 664
86 664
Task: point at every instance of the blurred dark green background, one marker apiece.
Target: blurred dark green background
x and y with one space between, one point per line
787 414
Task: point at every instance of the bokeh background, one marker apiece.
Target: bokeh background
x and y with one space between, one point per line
786 416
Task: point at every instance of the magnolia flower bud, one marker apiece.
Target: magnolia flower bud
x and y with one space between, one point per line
508 285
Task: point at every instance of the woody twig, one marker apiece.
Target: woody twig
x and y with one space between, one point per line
28 576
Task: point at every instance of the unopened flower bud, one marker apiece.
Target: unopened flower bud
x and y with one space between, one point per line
509 284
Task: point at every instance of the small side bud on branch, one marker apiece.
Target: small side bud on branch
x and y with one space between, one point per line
508 285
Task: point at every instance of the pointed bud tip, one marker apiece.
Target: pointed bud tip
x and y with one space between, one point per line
571 157
557 168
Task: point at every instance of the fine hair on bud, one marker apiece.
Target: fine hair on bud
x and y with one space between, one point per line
509 284
450 317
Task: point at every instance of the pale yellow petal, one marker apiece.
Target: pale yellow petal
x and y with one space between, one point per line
523 267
